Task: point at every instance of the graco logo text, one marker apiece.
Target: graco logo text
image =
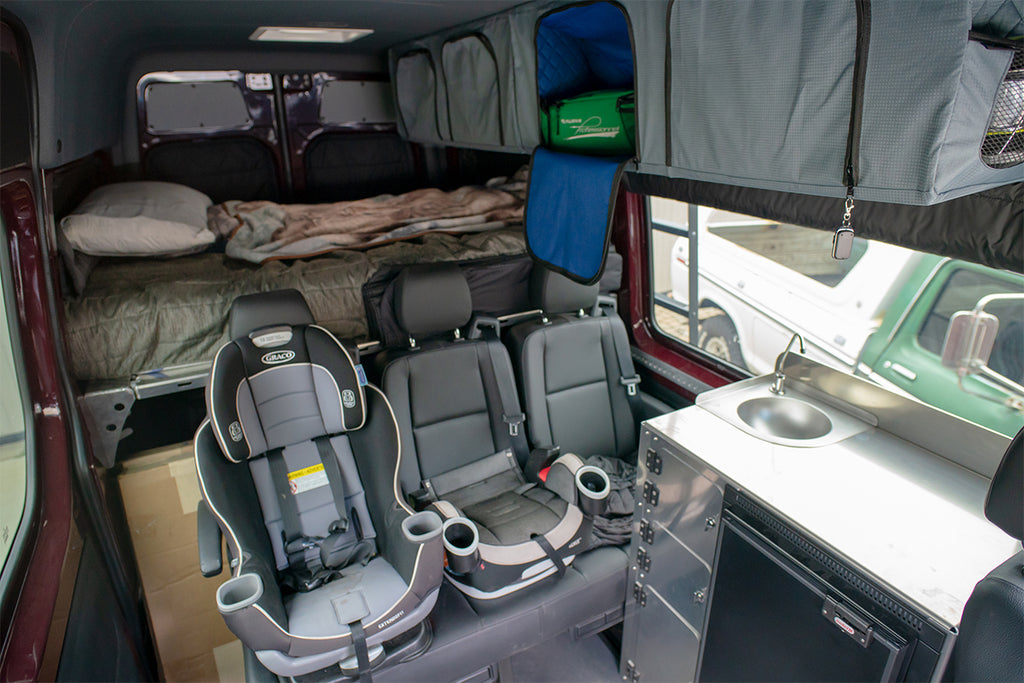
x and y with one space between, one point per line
276 357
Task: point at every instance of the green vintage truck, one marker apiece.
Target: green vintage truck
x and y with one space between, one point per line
906 352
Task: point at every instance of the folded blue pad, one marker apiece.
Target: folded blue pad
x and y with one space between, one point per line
569 208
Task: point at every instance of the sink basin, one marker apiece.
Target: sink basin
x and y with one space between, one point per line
784 418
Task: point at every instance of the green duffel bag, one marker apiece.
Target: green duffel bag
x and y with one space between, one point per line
600 122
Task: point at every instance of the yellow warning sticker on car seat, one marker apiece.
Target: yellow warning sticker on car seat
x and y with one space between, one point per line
307 478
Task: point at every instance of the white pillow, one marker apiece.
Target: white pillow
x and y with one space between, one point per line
145 218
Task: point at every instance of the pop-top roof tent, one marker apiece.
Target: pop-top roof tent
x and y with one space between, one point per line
774 108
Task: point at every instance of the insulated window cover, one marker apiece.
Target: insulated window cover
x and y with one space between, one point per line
569 208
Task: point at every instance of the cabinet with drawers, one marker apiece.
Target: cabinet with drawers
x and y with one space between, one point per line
679 504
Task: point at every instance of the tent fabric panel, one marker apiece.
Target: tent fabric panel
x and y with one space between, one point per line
416 92
473 95
986 227
928 95
761 90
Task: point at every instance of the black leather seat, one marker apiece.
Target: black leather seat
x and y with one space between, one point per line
991 642
579 386
463 445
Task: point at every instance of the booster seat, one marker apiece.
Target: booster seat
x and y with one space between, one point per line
464 446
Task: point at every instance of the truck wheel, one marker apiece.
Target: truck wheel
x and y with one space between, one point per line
718 337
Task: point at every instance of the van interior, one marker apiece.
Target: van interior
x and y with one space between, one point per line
556 340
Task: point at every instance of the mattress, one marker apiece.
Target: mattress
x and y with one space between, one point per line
148 314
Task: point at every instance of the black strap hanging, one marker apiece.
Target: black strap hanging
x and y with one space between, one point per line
362 653
627 374
511 413
552 554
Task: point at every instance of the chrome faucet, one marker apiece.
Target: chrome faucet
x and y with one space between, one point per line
780 362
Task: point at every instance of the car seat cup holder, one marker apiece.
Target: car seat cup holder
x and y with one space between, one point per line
593 486
238 593
461 540
421 527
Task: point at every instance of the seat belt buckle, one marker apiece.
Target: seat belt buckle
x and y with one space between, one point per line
421 498
513 422
630 384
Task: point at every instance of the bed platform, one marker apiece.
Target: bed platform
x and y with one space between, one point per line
148 327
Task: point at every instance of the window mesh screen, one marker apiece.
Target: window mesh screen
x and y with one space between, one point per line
1003 146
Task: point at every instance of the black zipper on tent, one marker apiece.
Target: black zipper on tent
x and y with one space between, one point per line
668 83
860 64
497 80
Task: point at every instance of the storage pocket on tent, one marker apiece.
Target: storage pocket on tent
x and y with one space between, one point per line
416 92
473 94
760 93
585 79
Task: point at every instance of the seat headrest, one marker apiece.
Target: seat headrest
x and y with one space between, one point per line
281 307
285 382
432 299
554 293
1004 505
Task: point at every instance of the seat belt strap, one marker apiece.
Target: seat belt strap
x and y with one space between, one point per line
627 374
334 480
552 554
285 498
362 653
511 413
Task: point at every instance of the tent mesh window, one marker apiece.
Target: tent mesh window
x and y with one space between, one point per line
1003 145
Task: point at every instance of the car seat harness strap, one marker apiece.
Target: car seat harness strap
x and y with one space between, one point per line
552 554
362 653
334 480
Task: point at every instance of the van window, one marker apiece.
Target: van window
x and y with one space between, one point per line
12 439
209 105
882 314
350 102
804 250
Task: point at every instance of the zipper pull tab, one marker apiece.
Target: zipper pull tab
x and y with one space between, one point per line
842 241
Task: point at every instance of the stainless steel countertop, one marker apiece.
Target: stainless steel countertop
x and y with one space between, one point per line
908 518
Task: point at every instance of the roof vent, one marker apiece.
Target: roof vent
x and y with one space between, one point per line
308 34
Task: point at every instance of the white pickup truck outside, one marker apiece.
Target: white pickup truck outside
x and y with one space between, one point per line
770 280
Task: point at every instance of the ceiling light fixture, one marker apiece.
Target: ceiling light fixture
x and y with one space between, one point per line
308 34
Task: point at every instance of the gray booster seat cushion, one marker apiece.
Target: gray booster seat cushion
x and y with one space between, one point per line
455 400
293 432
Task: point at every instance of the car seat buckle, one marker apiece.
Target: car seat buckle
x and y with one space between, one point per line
630 384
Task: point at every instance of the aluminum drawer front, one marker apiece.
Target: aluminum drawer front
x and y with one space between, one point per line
686 500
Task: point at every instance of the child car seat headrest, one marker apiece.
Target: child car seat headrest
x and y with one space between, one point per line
432 299
554 293
281 307
1004 505
284 382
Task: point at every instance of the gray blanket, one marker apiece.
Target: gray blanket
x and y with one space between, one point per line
145 314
